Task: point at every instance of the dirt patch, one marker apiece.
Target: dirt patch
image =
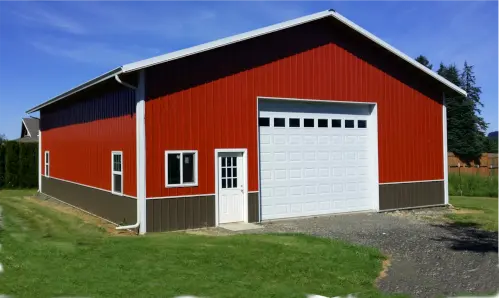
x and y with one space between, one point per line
84 216
209 232
467 211
384 272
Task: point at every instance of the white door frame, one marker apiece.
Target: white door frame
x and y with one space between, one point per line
244 151
372 139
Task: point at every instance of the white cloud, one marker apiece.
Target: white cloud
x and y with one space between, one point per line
36 16
97 53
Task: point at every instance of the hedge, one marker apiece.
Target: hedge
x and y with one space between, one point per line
18 165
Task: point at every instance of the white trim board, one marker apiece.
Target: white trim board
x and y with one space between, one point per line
123 195
405 182
445 152
135 66
186 196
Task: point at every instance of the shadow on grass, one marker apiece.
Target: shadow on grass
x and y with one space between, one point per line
467 236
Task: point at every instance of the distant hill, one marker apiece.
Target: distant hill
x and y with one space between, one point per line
492 135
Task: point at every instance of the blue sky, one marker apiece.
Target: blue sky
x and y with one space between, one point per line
47 48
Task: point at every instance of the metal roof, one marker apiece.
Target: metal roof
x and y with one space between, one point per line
131 67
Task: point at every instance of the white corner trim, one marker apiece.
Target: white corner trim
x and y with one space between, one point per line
140 115
85 185
244 151
446 158
418 181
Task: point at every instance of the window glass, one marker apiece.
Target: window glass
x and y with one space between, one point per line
335 122
361 123
308 123
264 121
174 168
188 168
349 124
117 163
294 122
117 183
279 122
322 123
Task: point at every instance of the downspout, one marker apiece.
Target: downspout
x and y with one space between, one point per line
446 158
140 150
40 161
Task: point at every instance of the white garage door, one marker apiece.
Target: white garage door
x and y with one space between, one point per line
314 158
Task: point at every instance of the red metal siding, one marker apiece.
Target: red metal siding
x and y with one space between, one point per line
208 101
81 136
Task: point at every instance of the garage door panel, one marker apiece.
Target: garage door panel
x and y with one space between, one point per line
314 170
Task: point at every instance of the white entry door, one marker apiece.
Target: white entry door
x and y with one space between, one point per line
231 187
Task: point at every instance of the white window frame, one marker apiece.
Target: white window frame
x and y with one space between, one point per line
46 164
195 170
113 172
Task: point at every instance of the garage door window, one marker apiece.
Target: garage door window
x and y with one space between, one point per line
263 121
362 124
322 123
279 122
181 168
308 123
349 124
294 122
336 123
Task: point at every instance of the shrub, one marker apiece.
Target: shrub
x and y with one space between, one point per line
28 165
473 185
12 164
2 165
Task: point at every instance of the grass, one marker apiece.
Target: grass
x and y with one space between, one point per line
473 185
46 253
481 212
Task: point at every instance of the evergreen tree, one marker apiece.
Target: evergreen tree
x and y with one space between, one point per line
465 128
423 60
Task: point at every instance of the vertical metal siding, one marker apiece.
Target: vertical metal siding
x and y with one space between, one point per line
81 136
208 101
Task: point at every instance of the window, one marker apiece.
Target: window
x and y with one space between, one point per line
47 164
349 123
335 122
181 168
322 123
294 122
308 123
361 123
229 172
264 121
117 172
279 122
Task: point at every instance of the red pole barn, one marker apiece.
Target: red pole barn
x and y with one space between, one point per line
308 117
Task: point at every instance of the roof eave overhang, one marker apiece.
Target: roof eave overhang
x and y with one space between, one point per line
95 81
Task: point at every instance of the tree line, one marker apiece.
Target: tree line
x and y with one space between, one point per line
466 127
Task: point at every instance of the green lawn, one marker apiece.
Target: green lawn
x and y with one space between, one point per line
475 211
46 253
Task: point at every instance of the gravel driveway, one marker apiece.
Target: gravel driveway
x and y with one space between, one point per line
427 259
